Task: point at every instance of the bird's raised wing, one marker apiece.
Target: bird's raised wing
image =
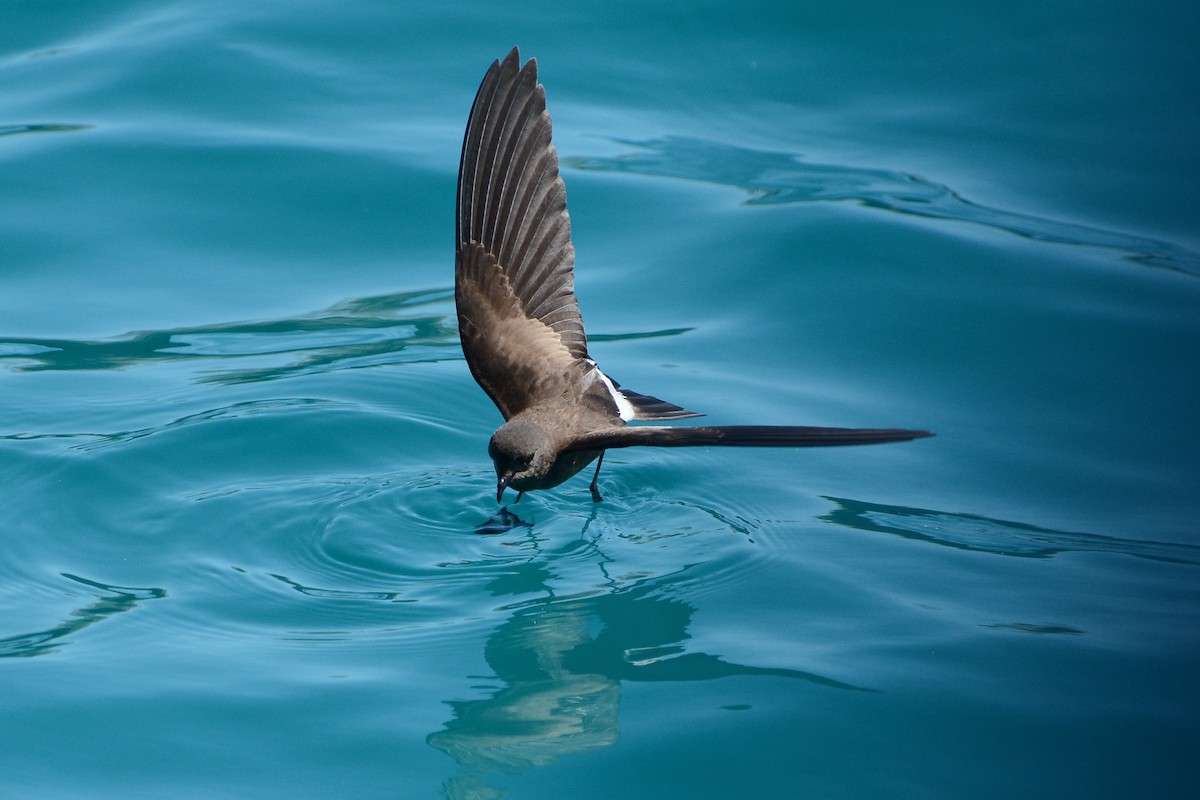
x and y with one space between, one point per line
518 318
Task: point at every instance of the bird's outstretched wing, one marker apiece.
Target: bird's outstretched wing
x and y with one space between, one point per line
518 318
739 436
514 284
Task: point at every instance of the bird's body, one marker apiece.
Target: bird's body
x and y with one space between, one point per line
519 321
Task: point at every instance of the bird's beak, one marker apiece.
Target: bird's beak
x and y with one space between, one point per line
501 485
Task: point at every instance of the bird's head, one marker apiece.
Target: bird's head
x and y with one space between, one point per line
521 452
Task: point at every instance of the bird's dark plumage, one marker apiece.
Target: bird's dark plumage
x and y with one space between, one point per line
519 321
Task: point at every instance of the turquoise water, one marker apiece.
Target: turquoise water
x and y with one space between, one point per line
247 541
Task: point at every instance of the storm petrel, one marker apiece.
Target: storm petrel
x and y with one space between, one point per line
519 321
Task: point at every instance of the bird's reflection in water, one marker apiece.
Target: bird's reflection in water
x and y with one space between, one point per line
503 521
547 708
560 663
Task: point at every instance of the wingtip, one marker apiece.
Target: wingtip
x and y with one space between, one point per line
885 435
512 62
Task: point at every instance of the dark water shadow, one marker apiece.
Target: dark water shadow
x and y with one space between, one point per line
559 662
503 521
773 178
41 127
94 441
1045 629
341 336
362 332
340 594
114 600
1000 537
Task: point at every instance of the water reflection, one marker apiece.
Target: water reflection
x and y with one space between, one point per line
41 127
558 665
356 332
503 521
402 328
1001 537
115 600
783 178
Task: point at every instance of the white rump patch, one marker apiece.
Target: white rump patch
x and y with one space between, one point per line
624 408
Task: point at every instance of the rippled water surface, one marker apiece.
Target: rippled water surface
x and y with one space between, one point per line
248 543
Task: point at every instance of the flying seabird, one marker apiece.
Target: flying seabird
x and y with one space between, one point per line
519 321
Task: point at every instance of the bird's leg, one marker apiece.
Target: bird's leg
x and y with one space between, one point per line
519 496
596 498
